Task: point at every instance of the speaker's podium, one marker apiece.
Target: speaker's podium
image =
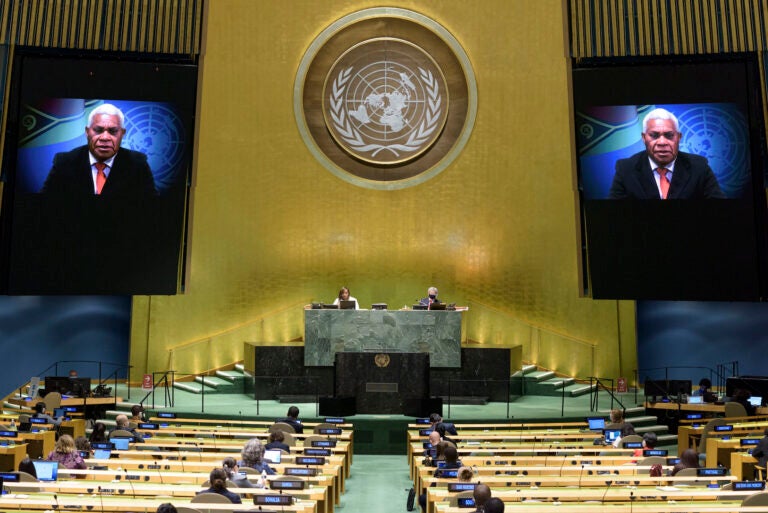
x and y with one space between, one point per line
383 382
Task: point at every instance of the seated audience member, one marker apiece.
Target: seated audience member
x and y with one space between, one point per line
626 430
704 391
218 479
27 466
434 439
435 419
494 505
482 495
742 396
440 452
442 430
276 442
293 419
761 450
99 433
253 456
616 419
137 413
65 453
166 507
122 424
232 469
465 474
451 461
82 444
40 414
649 442
689 459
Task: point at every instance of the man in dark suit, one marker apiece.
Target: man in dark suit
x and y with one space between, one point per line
101 167
293 420
431 297
662 171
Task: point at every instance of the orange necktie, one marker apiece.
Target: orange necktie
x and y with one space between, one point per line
101 178
664 182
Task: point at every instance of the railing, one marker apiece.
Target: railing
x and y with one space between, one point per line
596 384
99 365
169 392
716 376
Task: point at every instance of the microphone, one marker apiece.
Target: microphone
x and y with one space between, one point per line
56 498
580 474
181 459
101 499
546 455
561 466
609 483
130 482
160 475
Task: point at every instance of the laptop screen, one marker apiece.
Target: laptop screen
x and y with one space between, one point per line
121 444
346 305
756 401
596 423
611 434
273 455
696 399
60 412
46 470
102 454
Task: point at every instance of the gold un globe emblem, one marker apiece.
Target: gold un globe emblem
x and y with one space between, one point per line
385 101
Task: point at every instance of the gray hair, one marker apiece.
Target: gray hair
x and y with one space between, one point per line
660 114
432 290
109 110
252 452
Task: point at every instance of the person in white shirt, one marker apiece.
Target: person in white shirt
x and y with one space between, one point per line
344 296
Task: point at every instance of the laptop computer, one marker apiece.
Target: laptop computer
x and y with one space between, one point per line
121 443
596 423
756 401
437 306
273 455
46 470
346 305
611 435
695 399
102 454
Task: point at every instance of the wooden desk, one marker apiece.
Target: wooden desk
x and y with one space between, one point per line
69 401
742 465
104 503
38 444
73 428
139 490
11 456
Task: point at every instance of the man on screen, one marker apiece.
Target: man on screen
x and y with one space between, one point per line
101 167
662 171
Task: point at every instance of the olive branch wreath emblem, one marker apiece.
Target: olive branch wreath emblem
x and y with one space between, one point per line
352 136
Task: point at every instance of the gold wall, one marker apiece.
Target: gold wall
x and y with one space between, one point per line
273 230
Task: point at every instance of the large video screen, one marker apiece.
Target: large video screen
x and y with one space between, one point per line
670 174
97 163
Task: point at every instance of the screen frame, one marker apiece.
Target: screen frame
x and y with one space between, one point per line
618 276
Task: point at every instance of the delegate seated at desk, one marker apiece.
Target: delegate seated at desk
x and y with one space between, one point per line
345 296
431 297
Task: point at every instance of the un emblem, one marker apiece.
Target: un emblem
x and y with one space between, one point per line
385 98
385 101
